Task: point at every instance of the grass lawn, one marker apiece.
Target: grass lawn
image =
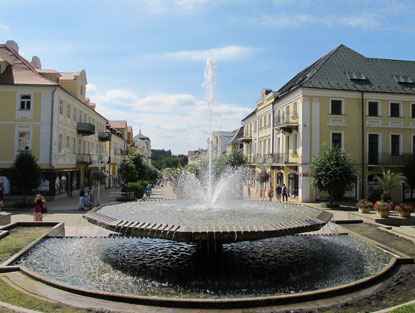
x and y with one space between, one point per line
405 309
12 296
18 238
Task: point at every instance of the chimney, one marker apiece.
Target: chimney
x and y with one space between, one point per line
12 45
36 62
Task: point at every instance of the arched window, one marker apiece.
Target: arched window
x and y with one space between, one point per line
293 185
280 178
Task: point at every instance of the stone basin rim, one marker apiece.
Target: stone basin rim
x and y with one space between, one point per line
197 233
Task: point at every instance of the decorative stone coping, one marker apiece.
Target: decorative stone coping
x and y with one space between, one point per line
217 233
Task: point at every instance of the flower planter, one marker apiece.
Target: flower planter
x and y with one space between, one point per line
405 214
364 210
382 214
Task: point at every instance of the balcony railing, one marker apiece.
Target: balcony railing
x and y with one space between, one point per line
104 136
85 129
276 158
387 159
83 159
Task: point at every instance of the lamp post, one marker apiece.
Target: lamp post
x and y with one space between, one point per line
100 160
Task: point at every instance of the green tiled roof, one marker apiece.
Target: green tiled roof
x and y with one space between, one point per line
330 72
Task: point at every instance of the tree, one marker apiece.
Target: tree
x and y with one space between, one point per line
135 168
332 171
25 173
409 173
387 182
235 159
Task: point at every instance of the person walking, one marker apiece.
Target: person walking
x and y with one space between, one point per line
81 194
148 191
278 191
270 193
284 193
38 209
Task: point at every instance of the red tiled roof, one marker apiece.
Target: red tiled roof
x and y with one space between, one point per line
118 124
20 71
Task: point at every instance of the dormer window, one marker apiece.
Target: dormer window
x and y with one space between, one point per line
81 90
356 76
3 66
403 79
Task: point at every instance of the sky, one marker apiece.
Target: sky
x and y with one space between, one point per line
145 59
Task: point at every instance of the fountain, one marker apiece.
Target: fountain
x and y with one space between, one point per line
209 249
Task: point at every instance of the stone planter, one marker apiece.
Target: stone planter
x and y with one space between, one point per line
382 214
405 214
364 210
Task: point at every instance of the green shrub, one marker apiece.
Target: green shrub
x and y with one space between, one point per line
125 199
137 188
405 309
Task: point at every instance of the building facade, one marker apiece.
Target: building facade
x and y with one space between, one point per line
365 106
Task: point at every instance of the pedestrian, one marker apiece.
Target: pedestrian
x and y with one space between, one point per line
81 194
1 195
148 191
270 193
249 190
284 193
278 191
38 209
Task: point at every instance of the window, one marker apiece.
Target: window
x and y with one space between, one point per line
395 145
24 140
356 76
395 109
79 146
81 90
413 110
295 144
25 102
295 109
403 79
336 140
80 116
68 111
373 108
336 107
287 113
74 113
74 145
269 120
60 143
61 107
89 147
84 151
413 144
260 123
278 117
67 144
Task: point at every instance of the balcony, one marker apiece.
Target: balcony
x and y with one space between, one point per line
83 159
246 138
104 136
376 159
85 129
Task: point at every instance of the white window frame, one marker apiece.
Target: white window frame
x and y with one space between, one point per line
28 113
400 143
400 109
17 136
337 132
342 105
61 103
295 144
367 108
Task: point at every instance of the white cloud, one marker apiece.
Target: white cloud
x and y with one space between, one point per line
364 20
286 21
178 122
4 27
226 53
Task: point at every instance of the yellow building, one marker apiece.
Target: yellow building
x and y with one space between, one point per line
364 105
46 111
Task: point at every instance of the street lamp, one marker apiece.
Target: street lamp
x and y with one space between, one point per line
99 160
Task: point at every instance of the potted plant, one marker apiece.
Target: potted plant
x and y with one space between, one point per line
404 209
382 208
364 206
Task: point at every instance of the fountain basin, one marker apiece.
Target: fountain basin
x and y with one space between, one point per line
242 221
